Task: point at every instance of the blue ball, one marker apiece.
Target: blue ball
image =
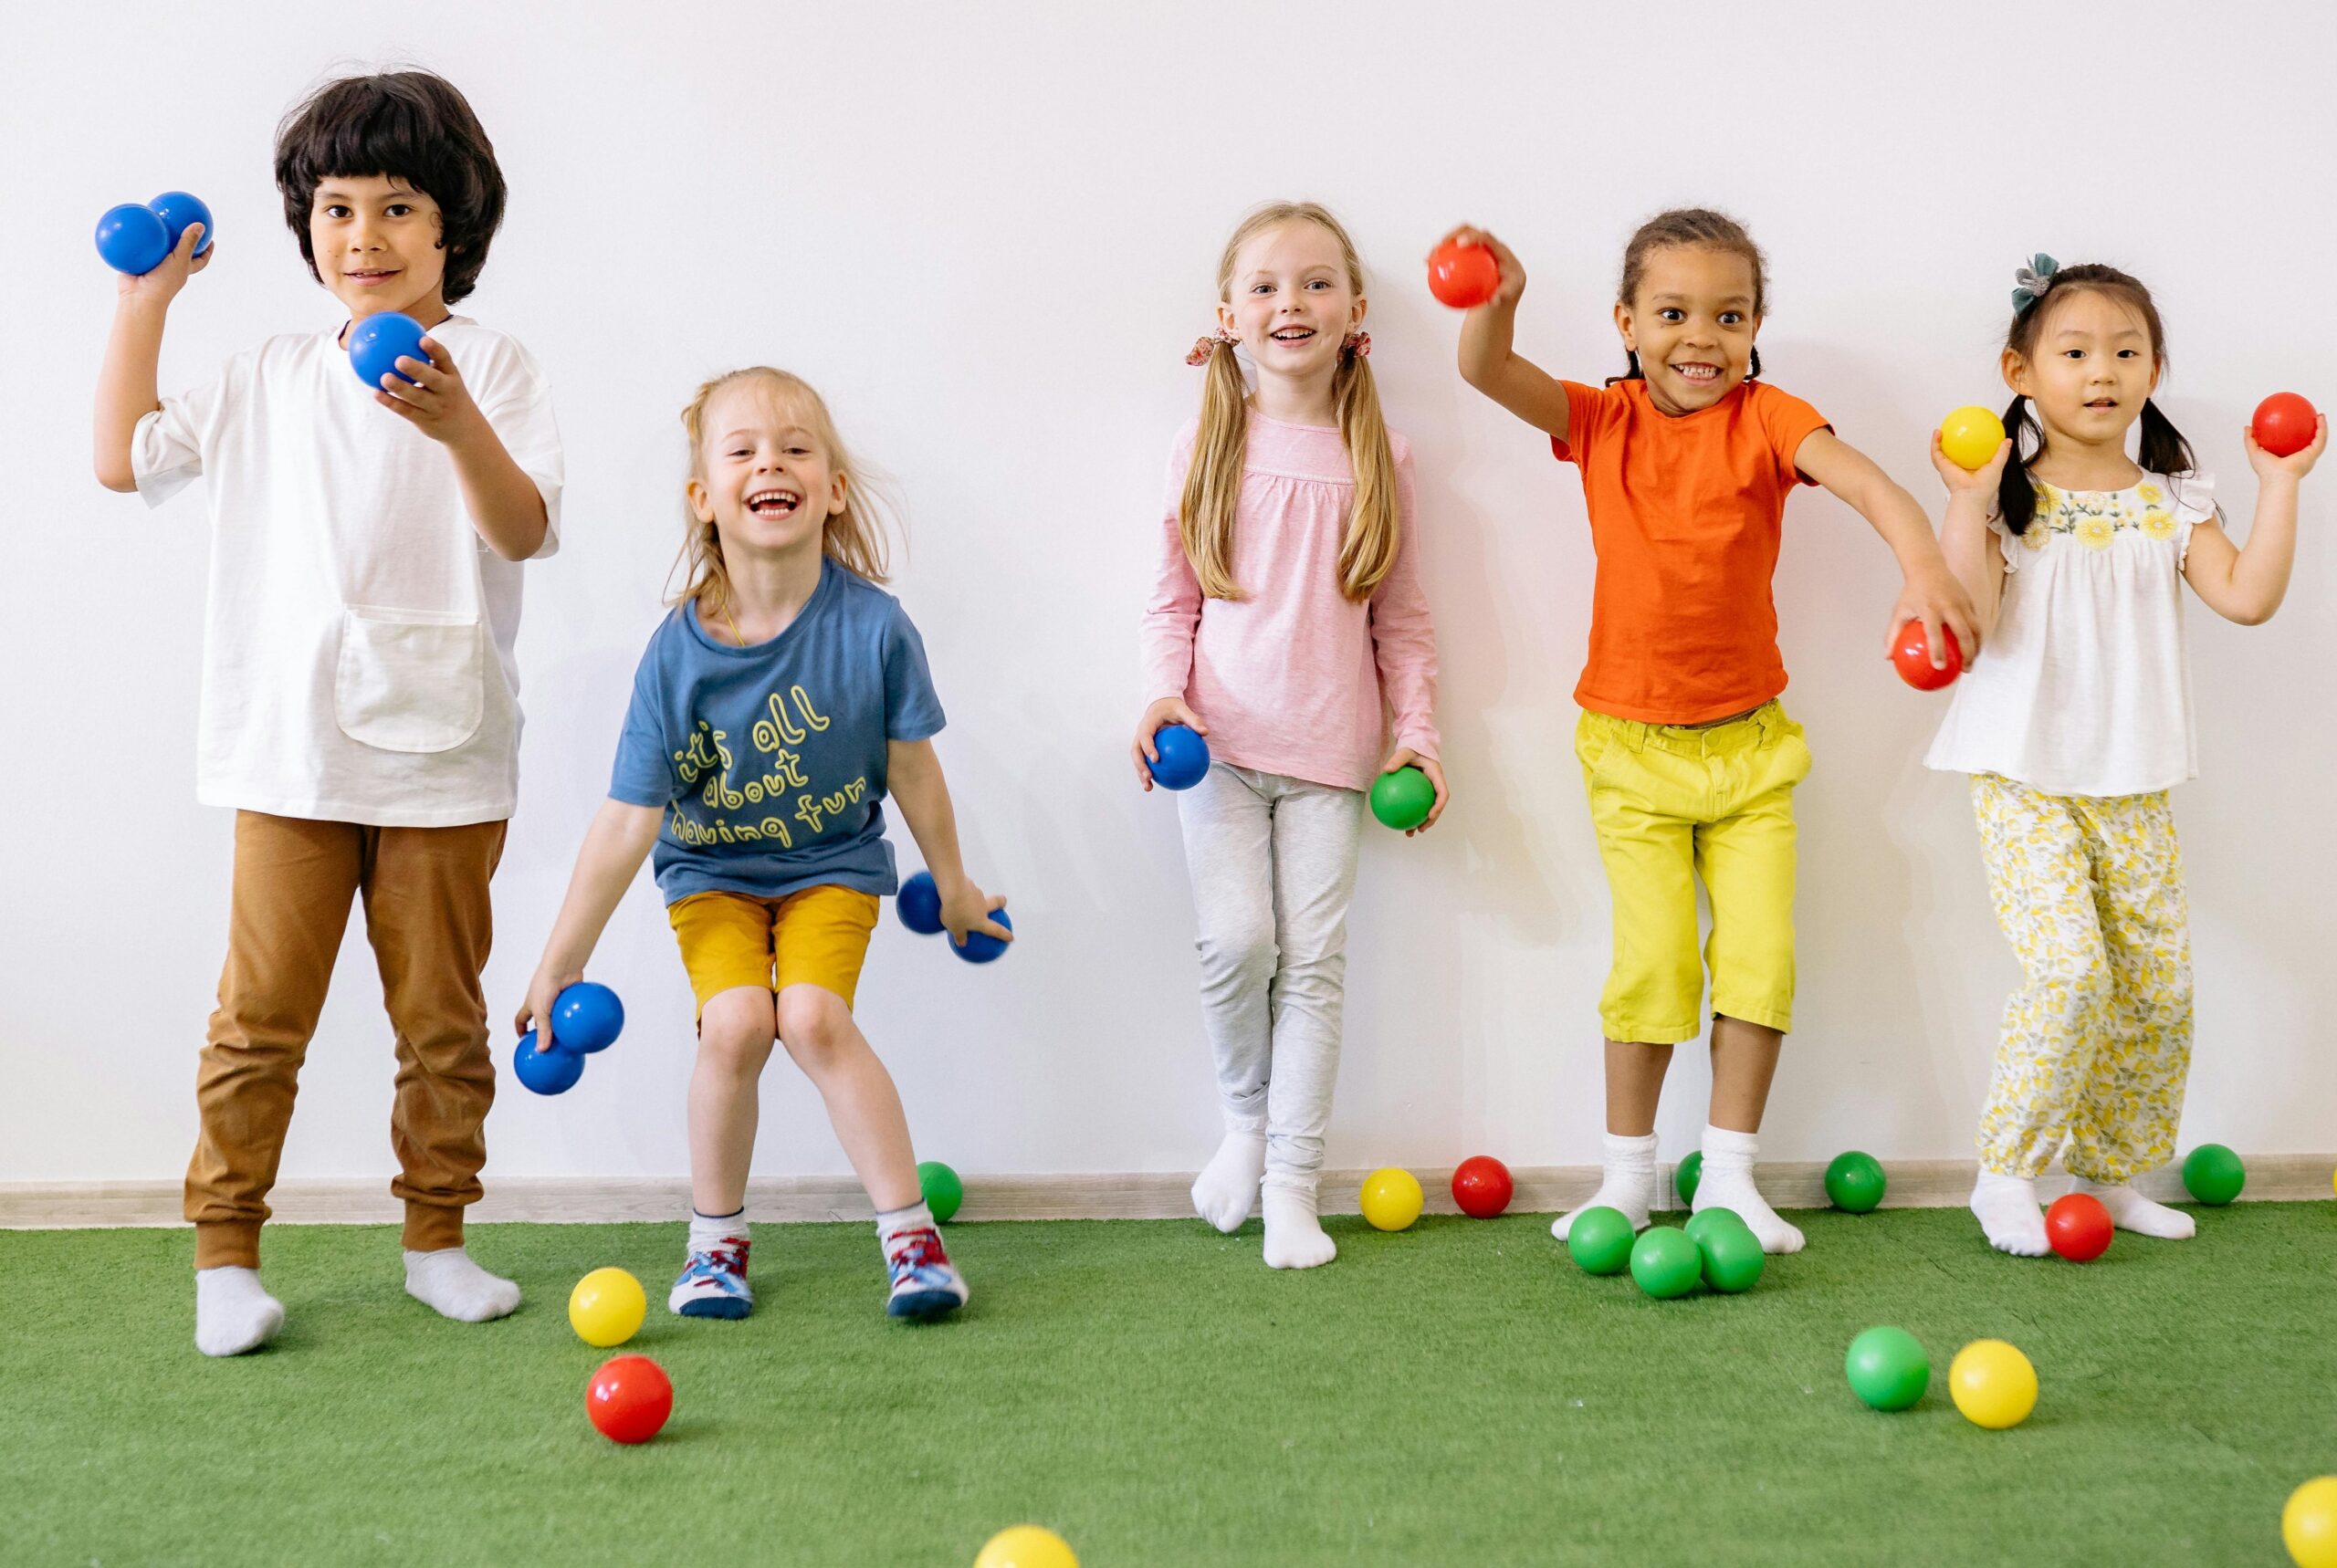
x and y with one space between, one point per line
553 1071
177 209
132 238
375 346
919 904
586 1018
1184 757
981 947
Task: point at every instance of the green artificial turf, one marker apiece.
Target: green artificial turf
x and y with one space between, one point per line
1456 1395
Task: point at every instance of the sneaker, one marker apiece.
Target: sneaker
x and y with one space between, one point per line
923 1284
713 1284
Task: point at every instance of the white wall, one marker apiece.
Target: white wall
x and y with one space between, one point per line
988 234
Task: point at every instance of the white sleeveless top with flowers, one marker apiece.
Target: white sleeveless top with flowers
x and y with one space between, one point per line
2085 688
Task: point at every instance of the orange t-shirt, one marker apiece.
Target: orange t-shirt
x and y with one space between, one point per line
1685 515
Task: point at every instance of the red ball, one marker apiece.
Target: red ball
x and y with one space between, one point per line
2285 423
1480 1186
629 1399
1912 654
1462 275
2078 1226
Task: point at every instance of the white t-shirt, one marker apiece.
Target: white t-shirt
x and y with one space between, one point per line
2085 687
358 660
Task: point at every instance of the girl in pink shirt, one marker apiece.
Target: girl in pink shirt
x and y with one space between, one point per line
1286 623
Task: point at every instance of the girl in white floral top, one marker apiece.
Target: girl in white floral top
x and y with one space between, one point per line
2074 726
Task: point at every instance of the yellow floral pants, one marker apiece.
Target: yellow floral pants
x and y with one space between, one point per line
2097 1041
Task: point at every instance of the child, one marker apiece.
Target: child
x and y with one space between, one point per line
776 702
359 691
1688 756
2076 724
1286 612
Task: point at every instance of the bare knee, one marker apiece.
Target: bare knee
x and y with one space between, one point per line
736 1030
817 1027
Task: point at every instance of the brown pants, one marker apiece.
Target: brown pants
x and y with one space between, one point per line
426 916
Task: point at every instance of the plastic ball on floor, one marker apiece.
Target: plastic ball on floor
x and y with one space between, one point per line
1481 1187
1703 1222
1732 1257
132 238
981 947
2309 1523
1391 1199
1599 1241
1666 1264
553 1071
1854 1182
379 341
1685 1179
1888 1368
629 1399
1183 757
1462 275
1993 1384
181 210
1027 1546
2213 1174
942 1190
2078 1226
1970 437
1402 800
586 1018
2285 423
919 905
1910 653
606 1308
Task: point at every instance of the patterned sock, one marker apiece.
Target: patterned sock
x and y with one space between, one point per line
925 1285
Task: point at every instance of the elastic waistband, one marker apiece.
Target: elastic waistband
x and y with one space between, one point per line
1755 729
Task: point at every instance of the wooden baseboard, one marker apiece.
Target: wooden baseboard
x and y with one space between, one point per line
1164 1195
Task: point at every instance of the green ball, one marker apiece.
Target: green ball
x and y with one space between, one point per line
1666 1264
2213 1174
1854 1182
1732 1257
942 1190
1600 1241
1684 1179
1705 1221
1888 1368
1402 800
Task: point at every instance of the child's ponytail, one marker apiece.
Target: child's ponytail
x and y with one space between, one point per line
1373 523
2163 450
2016 491
1213 479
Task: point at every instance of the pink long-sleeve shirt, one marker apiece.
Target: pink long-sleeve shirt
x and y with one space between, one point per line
1294 678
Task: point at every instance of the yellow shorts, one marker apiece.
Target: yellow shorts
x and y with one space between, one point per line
1671 804
818 936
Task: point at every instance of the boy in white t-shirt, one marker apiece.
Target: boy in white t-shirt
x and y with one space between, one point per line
359 705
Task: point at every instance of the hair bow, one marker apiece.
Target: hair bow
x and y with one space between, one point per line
2031 282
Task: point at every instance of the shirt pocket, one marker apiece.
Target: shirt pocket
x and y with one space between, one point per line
410 680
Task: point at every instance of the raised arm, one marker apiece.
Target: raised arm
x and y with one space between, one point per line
1487 360
1973 550
2246 583
126 379
1929 591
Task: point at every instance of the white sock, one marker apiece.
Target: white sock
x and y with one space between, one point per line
893 1222
708 1231
2007 1208
1727 1183
451 1285
2130 1210
232 1312
1227 1186
1629 1184
1295 1237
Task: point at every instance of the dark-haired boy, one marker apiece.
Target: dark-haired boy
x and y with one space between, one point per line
359 705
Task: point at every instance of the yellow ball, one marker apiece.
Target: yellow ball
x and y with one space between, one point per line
1970 436
2308 1524
1992 1384
1027 1546
1391 1199
606 1307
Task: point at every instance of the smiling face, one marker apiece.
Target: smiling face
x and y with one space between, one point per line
2089 369
377 244
1692 321
766 477
1291 298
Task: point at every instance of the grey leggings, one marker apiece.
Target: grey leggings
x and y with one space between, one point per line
1273 866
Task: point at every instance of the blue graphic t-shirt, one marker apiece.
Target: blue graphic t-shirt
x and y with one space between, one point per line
770 760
